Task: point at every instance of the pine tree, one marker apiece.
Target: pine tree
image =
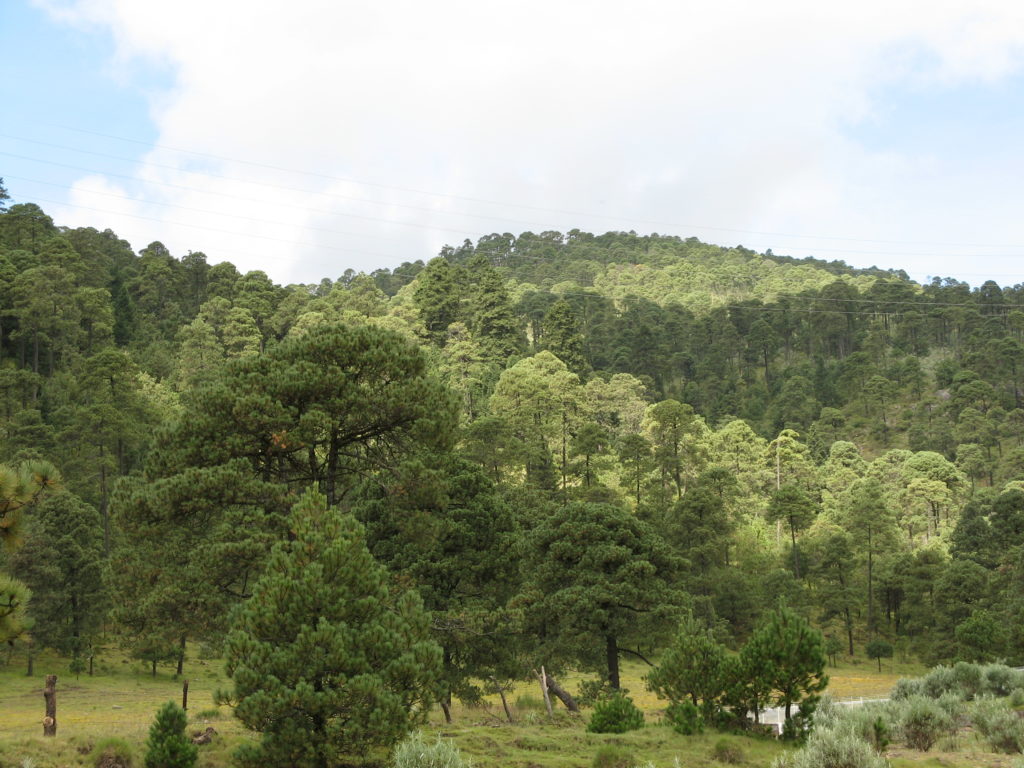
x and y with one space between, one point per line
694 667
492 318
794 660
168 746
562 336
325 661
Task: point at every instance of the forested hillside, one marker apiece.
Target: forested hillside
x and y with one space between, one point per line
560 441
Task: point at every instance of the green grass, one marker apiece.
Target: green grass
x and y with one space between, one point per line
122 699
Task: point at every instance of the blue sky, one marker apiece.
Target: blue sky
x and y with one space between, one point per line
350 135
55 76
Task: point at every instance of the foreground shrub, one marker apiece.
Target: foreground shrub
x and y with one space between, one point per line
1000 725
685 718
968 679
938 681
725 751
168 746
1001 680
832 748
906 687
615 715
112 753
869 722
414 752
612 756
922 722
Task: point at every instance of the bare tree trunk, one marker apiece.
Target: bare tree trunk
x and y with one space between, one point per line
50 695
184 696
542 678
563 695
504 702
181 655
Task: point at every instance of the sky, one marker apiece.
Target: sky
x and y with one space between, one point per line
317 136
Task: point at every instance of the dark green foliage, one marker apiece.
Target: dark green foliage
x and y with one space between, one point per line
168 745
62 563
693 670
598 578
326 660
443 527
617 714
793 660
684 717
879 649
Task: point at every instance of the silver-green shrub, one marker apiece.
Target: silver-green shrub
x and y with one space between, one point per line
922 722
414 752
969 679
999 724
832 748
938 681
906 687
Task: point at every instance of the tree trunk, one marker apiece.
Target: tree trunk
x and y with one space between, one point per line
31 664
871 591
181 655
796 554
104 509
504 702
542 678
447 709
563 695
50 695
849 629
154 667
612 656
184 696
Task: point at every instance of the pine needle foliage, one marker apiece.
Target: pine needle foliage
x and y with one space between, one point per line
326 662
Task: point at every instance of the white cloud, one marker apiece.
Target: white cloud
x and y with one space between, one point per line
726 114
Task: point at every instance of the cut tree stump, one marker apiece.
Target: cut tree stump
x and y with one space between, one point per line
50 695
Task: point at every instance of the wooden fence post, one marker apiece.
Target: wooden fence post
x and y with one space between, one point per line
50 694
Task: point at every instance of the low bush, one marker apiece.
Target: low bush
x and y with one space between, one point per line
615 715
951 704
906 687
414 752
1017 697
726 751
922 722
685 718
1000 725
832 748
1000 680
938 681
612 756
112 752
969 679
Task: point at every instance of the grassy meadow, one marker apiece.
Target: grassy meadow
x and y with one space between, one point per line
122 698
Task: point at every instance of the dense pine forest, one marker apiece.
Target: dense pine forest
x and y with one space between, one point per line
561 442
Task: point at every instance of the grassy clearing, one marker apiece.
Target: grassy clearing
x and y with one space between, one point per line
122 699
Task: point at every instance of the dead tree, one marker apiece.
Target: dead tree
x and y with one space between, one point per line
50 695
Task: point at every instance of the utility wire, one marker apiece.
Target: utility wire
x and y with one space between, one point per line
485 217
364 182
430 227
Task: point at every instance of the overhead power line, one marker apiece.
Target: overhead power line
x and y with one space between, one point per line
484 217
507 204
